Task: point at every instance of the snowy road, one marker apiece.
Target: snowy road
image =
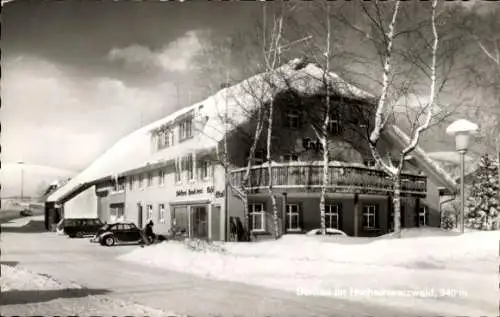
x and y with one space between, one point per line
95 267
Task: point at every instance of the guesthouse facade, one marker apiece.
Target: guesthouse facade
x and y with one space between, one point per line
184 171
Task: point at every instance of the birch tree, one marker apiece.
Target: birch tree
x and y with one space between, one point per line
383 110
272 59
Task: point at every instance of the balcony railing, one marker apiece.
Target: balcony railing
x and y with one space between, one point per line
341 178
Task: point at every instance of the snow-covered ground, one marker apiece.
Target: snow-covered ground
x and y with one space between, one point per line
26 293
436 270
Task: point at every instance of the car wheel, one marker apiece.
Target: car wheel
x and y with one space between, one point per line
109 241
79 235
71 235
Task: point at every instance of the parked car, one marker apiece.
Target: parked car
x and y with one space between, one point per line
118 233
81 227
329 231
26 213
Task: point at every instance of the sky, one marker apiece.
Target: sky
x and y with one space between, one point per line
77 76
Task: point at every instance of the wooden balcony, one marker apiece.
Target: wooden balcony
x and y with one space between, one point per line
342 178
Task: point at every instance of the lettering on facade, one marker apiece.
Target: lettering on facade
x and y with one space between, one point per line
189 192
219 194
197 191
181 193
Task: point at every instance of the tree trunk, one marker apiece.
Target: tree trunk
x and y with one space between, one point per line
397 204
247 228
323 187
276 231
325 124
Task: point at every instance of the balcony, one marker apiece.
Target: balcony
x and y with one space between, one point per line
348 178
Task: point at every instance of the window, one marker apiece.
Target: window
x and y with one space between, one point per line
117 211
131 183
423 217
166 139
161 177
332 219
334 126
150 179
205 165
161 140
293 120
161 213
290 158
370 163
186 129
256 212
141 181
177 171
149 209
292 220
369 216
188 166
121 185
120 212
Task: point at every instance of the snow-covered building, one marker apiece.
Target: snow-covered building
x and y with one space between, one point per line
172 171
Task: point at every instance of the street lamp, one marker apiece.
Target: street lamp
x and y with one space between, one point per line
462 129
22 180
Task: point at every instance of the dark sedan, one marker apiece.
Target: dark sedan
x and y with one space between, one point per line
118 233
81 227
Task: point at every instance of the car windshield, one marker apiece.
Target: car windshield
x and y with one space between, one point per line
105 227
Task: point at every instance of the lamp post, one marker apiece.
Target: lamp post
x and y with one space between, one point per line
22 180
462 129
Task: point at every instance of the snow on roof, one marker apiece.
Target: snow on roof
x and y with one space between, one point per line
461 125
134 150
423 157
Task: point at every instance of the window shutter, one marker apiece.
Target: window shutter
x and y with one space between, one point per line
416 214
377 216
390 216
250 220
341 221
403 215
301 217
426 216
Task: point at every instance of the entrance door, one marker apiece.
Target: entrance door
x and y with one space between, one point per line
139 215
215 222
199 222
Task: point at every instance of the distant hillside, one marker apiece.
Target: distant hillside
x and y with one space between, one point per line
37 179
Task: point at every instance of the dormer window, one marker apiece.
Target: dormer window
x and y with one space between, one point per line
370 163
334 126
292 120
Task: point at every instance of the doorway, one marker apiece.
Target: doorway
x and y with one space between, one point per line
215 223
139 215
199 222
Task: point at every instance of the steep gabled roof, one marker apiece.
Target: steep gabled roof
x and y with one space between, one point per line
134 150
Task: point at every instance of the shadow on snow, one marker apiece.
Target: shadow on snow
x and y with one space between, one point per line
16 297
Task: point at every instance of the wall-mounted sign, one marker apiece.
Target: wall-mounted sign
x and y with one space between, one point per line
195 191
189 192
198 191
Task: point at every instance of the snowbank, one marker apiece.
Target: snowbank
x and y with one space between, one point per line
459 269
18 286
